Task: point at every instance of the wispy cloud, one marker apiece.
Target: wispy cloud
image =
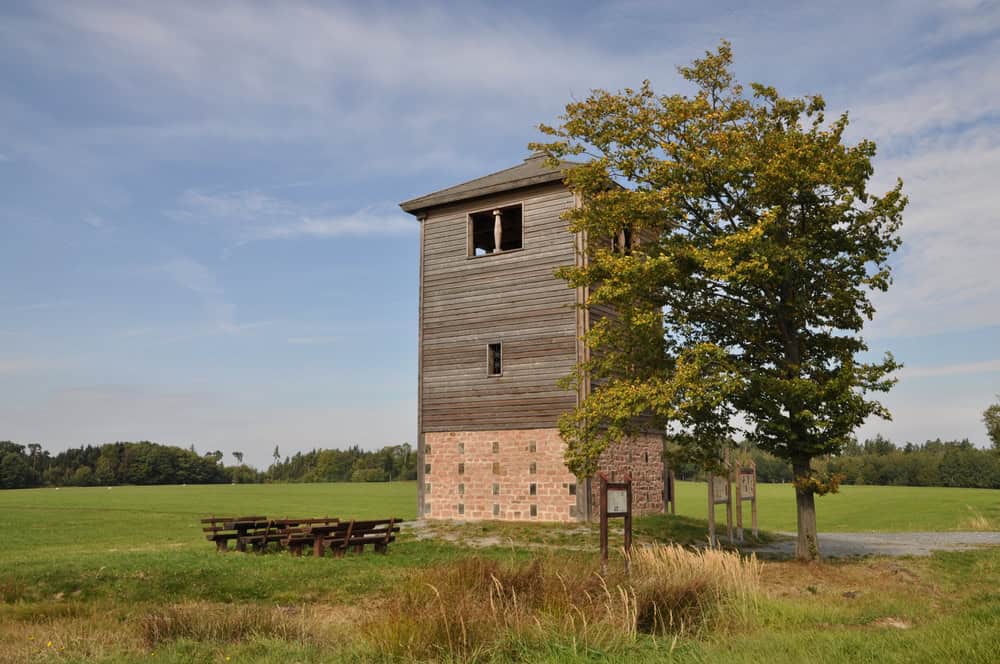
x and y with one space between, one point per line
234 206
195 277
376 220
95 221
959 369
45 305
312 341
11 366
253 215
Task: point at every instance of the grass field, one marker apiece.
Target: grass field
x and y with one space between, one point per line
102 575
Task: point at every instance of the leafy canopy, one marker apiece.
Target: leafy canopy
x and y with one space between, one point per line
744 299
991 418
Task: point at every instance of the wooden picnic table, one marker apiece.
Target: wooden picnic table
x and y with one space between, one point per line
353 535
320 532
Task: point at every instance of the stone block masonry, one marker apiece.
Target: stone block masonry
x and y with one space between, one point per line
520 475
642 457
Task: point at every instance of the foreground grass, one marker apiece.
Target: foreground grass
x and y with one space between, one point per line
945 608
116 576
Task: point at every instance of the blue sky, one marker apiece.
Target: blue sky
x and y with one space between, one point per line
199 238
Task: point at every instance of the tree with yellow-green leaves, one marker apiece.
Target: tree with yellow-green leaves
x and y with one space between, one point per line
740 303
991 418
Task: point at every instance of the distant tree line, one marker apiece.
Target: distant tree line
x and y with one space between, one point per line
395 462
879 461
145 463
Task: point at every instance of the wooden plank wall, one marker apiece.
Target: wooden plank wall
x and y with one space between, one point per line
511 297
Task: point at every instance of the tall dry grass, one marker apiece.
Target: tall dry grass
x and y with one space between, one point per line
227 623
977 521
681 590
477 609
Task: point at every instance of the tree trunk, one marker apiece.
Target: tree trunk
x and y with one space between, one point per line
807 544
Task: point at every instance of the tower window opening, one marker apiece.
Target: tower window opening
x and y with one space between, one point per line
496 230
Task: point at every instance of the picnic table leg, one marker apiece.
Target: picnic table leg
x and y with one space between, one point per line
318 548
241 544
221 546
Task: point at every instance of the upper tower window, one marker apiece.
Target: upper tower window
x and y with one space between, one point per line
621 242
495 230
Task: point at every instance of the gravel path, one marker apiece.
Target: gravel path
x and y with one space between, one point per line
840 545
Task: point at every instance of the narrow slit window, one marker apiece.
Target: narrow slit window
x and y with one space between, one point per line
496 230
622 242
494 359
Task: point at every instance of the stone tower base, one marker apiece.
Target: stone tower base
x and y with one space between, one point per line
520 475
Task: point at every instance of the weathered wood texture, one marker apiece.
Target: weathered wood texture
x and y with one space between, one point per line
511 297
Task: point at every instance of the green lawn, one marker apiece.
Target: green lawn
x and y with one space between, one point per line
858 508
75 520
89 569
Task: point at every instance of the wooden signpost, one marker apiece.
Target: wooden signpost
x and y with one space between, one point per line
746 487
719 493
669 492
616 501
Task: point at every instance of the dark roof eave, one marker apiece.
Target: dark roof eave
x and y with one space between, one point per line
417 205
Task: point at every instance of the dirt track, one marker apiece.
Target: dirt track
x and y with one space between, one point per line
840 545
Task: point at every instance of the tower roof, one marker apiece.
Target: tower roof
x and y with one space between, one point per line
530 172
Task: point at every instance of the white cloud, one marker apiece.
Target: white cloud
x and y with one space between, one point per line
25 365
946 279
253 215
365 222
192 275
95 221
238 206
959 369
312 341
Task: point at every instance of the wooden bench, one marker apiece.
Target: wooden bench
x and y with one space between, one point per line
278 530
347 535
224 528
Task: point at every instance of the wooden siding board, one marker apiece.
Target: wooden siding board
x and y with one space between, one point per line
512 297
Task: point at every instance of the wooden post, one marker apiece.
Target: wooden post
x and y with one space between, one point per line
628 516
711 511
739 510
497 231
729 505
604 521
719 492
673 492
615 508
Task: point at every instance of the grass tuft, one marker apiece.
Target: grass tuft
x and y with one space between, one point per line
977 521
223 623
685 591
477 609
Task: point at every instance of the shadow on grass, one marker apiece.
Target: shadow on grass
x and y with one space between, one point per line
686 531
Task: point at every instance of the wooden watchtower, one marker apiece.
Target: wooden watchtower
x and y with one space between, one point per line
497 331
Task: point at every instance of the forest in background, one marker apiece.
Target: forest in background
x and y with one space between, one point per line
144 463
874 461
